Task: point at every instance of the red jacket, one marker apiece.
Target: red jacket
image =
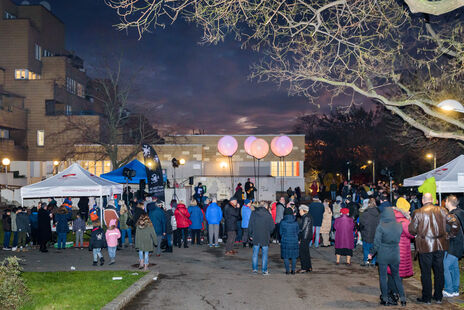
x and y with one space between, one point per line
274 211
406 269
182 216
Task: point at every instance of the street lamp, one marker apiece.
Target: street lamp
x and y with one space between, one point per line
6 162
182 161
55 166
451 105
373 170
434 157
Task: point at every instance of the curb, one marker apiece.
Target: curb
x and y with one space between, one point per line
125 297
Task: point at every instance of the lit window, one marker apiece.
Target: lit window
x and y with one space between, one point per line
289 169
24 74
68 109
4 134
80 90
40 137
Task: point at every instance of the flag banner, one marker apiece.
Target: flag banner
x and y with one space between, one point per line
154 172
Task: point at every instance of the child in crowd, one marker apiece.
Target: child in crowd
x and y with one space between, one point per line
78 228
6 221
97 243
145 239
112 235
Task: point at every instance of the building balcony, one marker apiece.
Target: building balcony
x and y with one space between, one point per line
9 149
13 117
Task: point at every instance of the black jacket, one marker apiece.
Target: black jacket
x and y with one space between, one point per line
23 223
368 222
6 220
45 229
168 214
354 210
261 226
137 213
456 247
231 216
387 238
97 239
306 228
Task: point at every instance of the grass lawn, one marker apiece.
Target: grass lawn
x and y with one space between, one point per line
76 289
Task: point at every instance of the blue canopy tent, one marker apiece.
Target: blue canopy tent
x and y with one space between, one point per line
116 175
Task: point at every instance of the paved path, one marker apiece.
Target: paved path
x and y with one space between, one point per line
202 278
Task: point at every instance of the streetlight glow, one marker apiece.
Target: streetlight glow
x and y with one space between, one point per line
429 155
369 162
182 161
6 161
223 164
56 163
451 105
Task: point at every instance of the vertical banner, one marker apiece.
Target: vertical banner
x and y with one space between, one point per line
154 172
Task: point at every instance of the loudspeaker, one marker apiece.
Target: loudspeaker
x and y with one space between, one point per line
190 180
142 184
128 173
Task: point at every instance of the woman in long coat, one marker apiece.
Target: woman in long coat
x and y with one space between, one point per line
344 237
45 229
326 224
289 248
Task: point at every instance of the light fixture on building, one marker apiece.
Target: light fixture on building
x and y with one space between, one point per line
223 164
6 161
108 164
451 105
182 161
150 164
56 163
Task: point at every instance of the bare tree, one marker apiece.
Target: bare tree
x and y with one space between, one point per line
376 49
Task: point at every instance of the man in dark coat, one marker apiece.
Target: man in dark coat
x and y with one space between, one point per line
455 252
384 203
83 205
260 227
306 235
386 247
368 222
231 216
45 229
316 209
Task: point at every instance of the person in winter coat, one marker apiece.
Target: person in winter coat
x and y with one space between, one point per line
139 211
171 226
316 209
386 247
14 228
124 217
455 251
45 229
24 228
326 224
246 213
83 205
260 227
337 206
344 238
112 235
6 221
213 217
157 218
289 249
61 221
78 228
197 217
368 222
97 243
34 220
279 211
145 240
305 236
231 216
183 222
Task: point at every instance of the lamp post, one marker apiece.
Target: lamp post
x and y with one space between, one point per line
55 166
6 162
373 170
434 157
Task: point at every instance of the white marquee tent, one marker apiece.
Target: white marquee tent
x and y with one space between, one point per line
449 177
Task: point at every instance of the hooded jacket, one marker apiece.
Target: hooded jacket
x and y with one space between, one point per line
289 230
261 226
387 239
246 213
406 269
182 216
23 223
157 217
97 239
213 214
368 222
61 219
196 216
145 236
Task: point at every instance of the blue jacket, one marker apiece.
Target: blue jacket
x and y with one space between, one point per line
289 230
196 216
383 205
246 213
158 219
214 214
61 220
34 219
316 209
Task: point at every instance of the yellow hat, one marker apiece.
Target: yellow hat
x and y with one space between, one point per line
403 204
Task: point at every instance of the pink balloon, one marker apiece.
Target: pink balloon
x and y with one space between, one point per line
259 148
227 145
273 144
282 147
247 144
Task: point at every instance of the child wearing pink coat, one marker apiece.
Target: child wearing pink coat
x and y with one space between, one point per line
112 235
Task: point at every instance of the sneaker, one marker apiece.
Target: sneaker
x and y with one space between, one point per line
14 249
102 261
265 273
216 245
423 301
112 262
6 249
447 295
255 271
437 301
210 245
94 264
364 264
456 294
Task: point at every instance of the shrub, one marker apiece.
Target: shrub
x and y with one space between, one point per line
13 291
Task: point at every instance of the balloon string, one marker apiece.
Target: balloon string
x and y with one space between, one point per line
258 190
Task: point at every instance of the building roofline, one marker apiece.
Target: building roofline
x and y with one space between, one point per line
259 135
40 5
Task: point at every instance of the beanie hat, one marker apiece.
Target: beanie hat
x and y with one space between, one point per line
345 211
247 201
403 204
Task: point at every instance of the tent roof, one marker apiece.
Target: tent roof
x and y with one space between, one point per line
449 177
74 181
116 175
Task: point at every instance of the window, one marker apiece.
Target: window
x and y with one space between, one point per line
71 85
68 109
8 15
25 74
40 137
97 167
49 107
80 90
47 53
287 169
4 134
38 52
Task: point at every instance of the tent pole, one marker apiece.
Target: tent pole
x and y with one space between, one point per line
101 209
439 198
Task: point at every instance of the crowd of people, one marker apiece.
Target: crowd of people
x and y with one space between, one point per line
384 223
